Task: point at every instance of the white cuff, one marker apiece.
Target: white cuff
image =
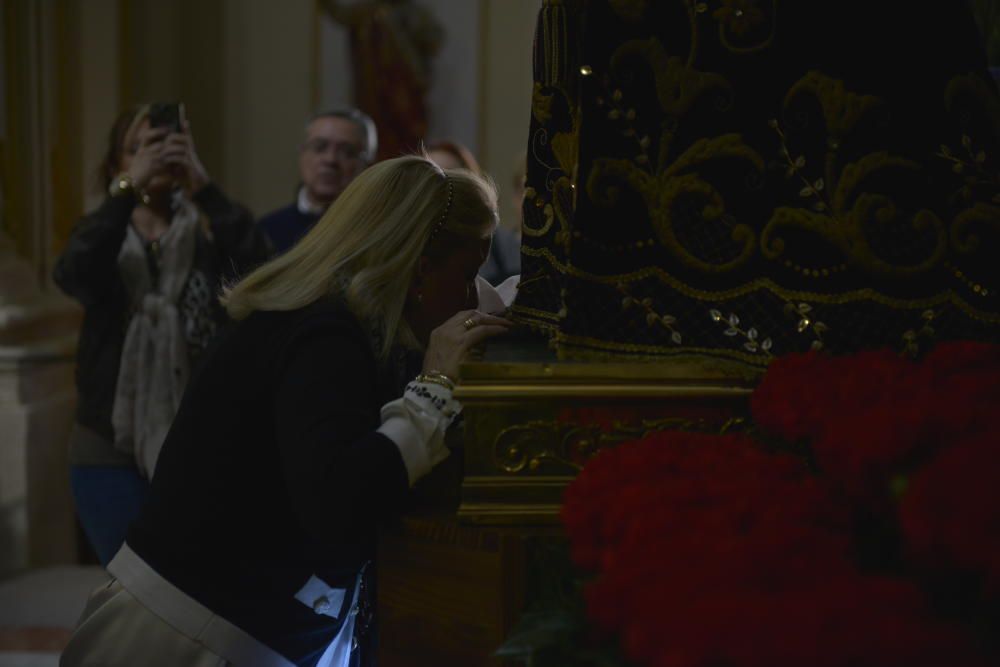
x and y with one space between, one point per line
416 424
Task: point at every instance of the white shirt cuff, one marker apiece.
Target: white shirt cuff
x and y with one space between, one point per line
416 424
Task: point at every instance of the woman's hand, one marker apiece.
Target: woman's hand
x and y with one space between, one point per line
450 342
179 152
148 159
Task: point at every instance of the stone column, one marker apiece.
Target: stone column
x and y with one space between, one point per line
40 195
37 339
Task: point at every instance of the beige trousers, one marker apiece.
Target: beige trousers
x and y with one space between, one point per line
116 630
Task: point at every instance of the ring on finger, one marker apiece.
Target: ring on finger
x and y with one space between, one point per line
469 324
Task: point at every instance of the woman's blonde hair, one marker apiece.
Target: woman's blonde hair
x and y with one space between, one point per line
366 247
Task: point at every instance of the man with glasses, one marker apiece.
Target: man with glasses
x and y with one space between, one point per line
338 145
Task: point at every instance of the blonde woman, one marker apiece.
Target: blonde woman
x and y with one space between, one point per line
292 441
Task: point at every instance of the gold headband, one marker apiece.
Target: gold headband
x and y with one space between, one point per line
439 225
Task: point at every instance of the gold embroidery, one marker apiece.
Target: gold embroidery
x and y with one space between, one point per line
857 209
751 335
653 318
841 220
845 230
566 147
801 312
531 213
541 104
975 287
910 337
864 294
740 18
596 350
678 85
626 117
662 192
963 238
842 110
553 18
534 312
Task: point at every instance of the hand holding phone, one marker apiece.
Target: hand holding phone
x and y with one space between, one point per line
169 115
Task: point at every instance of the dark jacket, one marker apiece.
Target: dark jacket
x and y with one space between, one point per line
88 272
287 225
273 472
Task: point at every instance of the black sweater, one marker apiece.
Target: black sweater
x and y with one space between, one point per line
287 225
88 271
273 472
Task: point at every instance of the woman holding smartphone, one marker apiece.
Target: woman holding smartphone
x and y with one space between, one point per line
146 266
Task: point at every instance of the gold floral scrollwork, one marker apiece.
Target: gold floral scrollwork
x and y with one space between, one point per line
538 216
844 205
963 235
974 163
661 193
526 446
741 23
541 104
678 85
843 221
567 446
566 148
559 199
842 109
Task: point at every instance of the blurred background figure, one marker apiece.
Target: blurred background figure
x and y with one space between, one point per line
338 145
146 266
505 252
452 155
391 40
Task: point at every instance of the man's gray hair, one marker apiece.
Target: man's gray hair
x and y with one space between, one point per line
359 118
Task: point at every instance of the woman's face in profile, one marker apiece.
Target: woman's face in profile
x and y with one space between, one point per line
447 286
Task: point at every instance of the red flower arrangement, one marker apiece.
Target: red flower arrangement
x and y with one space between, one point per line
710 550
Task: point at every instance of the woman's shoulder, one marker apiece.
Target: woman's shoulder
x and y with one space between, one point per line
327 318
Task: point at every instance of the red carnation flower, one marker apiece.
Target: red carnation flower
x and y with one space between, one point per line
950 515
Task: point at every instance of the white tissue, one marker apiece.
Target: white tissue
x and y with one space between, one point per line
496 299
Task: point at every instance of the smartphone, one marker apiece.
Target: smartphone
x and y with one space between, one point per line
167 114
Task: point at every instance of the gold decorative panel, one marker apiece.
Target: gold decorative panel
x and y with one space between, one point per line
531 426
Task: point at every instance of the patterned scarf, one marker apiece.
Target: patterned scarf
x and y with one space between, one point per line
154 363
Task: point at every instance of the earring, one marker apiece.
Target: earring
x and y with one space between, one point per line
420 298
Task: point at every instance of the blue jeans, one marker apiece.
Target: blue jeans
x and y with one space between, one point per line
108 499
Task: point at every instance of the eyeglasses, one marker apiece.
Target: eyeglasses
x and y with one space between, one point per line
342 150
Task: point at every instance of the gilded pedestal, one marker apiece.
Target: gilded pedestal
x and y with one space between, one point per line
454 580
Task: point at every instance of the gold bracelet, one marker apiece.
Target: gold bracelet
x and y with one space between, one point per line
438 378
446 378
121 185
